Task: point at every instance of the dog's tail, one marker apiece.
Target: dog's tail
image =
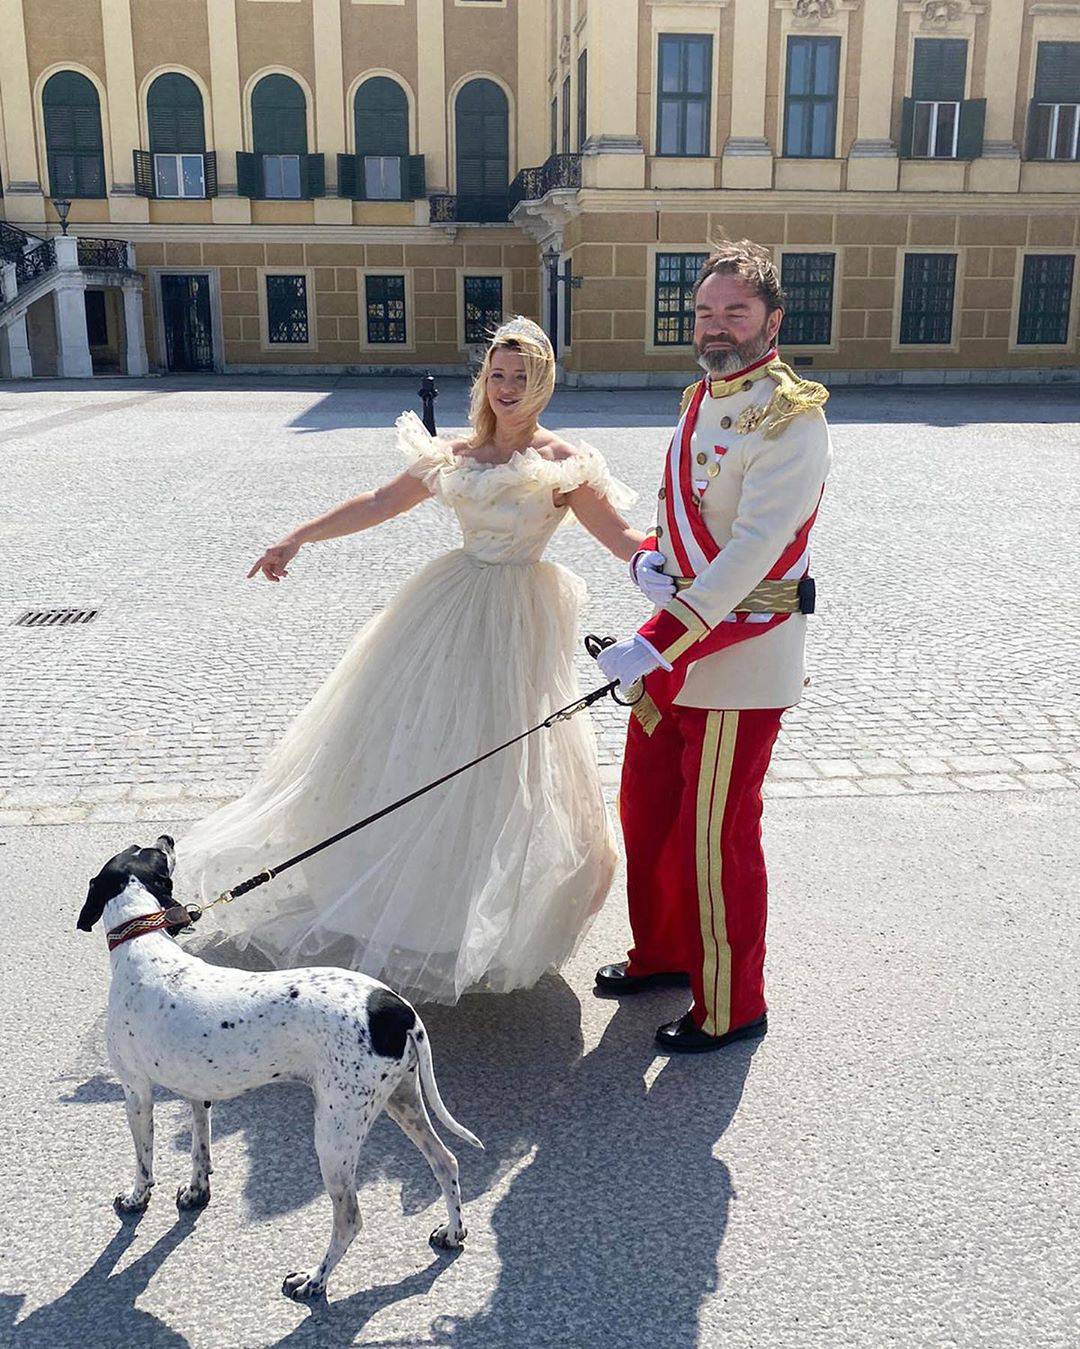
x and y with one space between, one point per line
419 1039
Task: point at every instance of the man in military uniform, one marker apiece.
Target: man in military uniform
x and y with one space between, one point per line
720 659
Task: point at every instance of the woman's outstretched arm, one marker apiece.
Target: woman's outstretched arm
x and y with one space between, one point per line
369 508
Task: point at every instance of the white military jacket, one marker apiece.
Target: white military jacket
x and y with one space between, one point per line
760 455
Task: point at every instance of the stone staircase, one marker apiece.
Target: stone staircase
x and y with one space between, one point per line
61 268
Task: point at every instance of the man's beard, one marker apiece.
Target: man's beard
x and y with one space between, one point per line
737 357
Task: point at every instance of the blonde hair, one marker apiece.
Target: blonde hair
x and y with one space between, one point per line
531 343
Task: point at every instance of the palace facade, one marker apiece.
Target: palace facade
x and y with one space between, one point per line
371 185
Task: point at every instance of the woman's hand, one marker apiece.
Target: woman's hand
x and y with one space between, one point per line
274 563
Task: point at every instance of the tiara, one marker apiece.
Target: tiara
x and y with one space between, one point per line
522 327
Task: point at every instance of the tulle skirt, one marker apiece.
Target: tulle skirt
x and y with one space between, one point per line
490 879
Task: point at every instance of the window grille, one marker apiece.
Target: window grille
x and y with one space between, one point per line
673 324
286 310
1045 299
385 301
807 280
926 313
483 307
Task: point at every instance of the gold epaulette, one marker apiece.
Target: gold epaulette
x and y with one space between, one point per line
687 394
792 397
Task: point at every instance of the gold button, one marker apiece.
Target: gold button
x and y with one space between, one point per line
696 500
725 422
662 493
659 531
748 383
713 470
702 458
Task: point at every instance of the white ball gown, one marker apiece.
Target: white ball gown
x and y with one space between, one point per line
493 878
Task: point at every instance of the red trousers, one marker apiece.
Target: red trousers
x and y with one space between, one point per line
690 806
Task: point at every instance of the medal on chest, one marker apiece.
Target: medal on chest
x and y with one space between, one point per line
750 419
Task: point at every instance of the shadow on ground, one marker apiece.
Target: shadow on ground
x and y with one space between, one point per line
374 401
608 1230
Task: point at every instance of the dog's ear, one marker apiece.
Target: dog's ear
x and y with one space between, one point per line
106 885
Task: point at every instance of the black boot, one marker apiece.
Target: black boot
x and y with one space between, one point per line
686 1037
614 979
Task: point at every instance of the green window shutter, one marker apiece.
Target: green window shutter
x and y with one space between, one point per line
174 110
278 116
1034 149
143 172
313 175
210 174
346 176
381 118
907 128
1057 72
249 175
969 139
417 178
939 68
73 139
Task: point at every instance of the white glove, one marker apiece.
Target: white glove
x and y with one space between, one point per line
647 570
627 662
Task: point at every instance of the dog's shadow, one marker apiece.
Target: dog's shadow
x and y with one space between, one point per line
99 1298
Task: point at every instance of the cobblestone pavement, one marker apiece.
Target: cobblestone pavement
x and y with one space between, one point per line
945 656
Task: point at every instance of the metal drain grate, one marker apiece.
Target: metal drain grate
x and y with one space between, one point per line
54 618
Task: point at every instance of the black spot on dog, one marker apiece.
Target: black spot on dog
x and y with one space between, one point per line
225 1025
390 1019
294 992
207 1104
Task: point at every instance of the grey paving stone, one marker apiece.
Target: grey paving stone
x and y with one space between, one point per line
190 673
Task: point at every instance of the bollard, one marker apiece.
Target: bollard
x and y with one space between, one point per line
428 394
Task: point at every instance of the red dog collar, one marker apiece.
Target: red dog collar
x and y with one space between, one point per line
177 916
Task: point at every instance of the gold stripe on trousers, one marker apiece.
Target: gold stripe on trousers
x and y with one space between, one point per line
714 782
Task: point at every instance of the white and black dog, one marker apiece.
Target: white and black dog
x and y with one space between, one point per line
209 1033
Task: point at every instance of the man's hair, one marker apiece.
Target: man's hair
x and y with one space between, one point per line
752 264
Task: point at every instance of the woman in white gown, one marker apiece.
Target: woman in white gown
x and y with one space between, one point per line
491 879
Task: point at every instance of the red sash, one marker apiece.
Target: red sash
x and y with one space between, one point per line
693 549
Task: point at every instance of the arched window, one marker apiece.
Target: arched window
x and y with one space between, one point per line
279 136
174 110
73 142
381 110
483 151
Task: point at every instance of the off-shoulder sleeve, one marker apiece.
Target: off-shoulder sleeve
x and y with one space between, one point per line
426 457
587 467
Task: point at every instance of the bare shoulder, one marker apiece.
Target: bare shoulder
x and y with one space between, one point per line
553 447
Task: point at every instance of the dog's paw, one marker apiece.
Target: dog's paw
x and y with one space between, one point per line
131 1202
448 1238
302 1286
192 1197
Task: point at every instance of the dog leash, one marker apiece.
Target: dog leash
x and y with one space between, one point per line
593 645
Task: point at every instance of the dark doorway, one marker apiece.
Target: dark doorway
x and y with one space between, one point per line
185 309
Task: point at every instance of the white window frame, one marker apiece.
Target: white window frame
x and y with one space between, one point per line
403 172
1055 116
282 196
936 105
178 159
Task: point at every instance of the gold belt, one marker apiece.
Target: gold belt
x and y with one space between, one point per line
768 597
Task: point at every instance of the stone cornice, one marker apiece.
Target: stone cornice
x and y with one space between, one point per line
761 201
207 233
